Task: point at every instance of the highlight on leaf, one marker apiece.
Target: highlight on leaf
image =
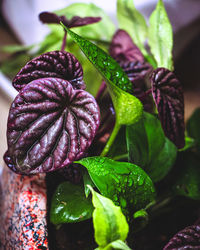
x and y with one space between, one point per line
59 64
168 96
50 125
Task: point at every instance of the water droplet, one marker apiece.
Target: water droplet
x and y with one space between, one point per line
130 182
115 197
123 202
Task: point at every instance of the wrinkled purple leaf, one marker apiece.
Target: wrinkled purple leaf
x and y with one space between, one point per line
50 125
136 69
168 96
188 238
123 49
76 21
59 64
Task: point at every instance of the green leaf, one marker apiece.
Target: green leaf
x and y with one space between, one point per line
161 37
193 126
118 244
70 205
133 22
119 150
109 222
15 48
149 148
102 30
104 63
141 219
189 143
187 180
11 66
87 181
125 183
128 108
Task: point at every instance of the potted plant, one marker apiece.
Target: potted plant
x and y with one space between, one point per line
103 171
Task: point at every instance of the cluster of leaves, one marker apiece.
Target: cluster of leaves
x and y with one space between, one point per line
53 122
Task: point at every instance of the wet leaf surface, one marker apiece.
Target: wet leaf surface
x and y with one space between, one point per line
51 64
168 96
69 204
125 183
49 126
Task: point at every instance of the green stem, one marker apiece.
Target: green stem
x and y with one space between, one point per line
111 139
118 157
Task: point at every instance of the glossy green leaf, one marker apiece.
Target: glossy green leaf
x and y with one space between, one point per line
105 64
127 107
108 220
161 36
118 244
70 205
125 183
92 31
149 148
133 22
187 180
193 126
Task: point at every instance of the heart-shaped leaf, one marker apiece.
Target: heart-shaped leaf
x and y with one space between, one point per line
188 238
70 205
50 125
168 95
59 64
125 183
123 49
149 148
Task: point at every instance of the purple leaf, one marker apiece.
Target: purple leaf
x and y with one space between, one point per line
188 238
136 69
76 21
49 17
168 96
50 125
51 64
122 48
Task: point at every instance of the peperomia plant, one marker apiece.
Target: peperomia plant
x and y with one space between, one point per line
128 158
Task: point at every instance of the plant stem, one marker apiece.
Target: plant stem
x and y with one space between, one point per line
64 42
111 139
118 157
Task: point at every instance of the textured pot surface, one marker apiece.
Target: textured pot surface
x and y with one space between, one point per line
23 211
